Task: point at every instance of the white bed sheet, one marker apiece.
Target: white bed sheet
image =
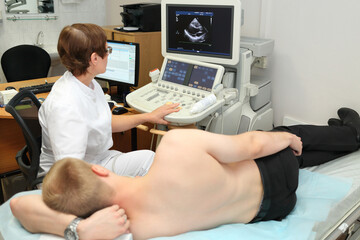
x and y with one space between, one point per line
345 167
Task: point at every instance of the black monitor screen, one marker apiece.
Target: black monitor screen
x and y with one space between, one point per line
200 30
123 64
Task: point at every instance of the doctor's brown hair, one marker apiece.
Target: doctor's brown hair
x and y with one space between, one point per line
76 44
72 187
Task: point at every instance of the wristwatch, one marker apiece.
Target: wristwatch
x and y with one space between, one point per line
70 232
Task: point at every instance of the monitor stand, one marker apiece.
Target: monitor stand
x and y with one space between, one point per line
122 92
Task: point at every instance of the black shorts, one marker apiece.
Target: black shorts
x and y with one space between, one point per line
279 175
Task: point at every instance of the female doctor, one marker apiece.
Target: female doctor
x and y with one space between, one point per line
76 122
75 118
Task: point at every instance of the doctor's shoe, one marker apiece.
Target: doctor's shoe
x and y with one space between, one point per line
350 118
335 122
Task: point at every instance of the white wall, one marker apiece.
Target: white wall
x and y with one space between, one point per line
315 65
113 11
25 32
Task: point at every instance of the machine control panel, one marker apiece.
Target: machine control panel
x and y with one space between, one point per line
180 81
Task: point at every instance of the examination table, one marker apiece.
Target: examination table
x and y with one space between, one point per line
328 204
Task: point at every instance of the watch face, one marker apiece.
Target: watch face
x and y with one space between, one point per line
70 232
69 235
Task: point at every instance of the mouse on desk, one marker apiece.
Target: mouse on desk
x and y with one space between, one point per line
119 110
9 88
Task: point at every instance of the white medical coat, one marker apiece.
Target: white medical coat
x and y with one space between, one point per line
76 122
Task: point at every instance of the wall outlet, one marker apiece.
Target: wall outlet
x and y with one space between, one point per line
261 62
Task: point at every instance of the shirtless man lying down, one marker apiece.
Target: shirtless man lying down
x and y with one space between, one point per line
200 180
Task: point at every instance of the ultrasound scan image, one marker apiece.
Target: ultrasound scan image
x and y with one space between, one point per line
196 32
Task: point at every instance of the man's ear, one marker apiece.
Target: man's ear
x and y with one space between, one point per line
100 171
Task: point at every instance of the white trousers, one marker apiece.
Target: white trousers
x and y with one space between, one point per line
135 163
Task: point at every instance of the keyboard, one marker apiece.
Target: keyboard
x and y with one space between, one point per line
41 88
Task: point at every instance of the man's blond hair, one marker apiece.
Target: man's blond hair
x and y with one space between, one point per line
72 187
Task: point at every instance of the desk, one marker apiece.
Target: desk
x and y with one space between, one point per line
12 140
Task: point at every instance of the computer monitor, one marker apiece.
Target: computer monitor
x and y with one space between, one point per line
122 69
203 30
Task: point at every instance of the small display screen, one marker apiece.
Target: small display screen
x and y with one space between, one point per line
202 77
123 62
200 30
190 75
176 72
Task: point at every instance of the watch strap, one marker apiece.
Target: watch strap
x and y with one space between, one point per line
72 227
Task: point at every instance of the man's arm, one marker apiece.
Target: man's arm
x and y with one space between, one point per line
122 123
36 217
234 148
253 145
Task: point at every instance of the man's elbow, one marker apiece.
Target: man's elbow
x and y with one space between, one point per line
14 206
19 210
18 207
257 146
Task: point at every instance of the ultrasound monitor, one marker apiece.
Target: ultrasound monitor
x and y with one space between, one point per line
122 69
202 30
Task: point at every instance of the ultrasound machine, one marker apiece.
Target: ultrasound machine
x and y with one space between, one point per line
207 69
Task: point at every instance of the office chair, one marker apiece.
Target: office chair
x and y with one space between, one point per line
24 107
25 62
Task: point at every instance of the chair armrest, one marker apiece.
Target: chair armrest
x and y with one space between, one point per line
22 154
142 127
162 132
157 132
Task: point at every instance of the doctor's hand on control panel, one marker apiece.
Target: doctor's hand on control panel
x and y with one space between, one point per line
157 116
122 123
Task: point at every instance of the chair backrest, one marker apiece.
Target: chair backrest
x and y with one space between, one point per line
25 62
24 107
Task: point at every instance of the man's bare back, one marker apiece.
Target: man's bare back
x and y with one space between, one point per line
182 193
194 184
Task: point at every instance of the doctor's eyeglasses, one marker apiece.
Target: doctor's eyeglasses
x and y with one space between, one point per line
108 50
